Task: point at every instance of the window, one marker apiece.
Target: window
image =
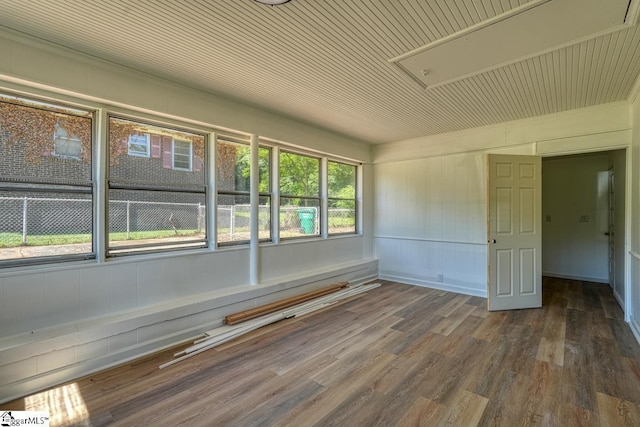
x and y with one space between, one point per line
65 146
341 191
139 145
182 155
233 183
152 205
299 195
46 200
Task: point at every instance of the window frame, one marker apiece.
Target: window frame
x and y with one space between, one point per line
173 155
319 198
25 185
133 185
147 144
355 197
245 193
67 139
101 183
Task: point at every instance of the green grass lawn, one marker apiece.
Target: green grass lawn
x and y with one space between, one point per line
11 240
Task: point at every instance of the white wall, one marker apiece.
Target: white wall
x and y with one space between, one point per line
430 206
619 163
633 296
58 322
573 246
430 221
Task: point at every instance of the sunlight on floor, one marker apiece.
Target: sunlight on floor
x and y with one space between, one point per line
65 405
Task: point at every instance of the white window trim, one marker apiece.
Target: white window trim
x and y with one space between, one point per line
173 155
354 199
47 183
137 153
246 193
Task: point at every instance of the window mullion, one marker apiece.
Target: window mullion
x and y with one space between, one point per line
324 204
275 198
101 173
212 196
254 200
359 193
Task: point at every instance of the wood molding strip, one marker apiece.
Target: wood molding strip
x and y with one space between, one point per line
252 313
232 332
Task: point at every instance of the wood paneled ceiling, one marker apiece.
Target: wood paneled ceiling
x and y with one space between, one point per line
327 62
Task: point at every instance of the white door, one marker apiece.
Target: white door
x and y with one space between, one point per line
515 232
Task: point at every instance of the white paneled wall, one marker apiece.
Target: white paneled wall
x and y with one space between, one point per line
59 322
619 163
430 211
304 256
58 295
430 223
633 287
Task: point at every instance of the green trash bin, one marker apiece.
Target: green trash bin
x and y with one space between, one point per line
307 216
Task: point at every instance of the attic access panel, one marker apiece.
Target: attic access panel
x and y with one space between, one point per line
529 30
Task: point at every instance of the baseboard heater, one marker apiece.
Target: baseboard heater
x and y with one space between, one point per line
246 321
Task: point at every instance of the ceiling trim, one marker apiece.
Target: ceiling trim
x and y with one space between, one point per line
633 13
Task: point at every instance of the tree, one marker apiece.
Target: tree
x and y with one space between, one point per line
243 168
299 175
341 180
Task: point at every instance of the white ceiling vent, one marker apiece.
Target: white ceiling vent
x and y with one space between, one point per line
529 30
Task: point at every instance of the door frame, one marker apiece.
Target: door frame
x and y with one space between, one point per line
626 306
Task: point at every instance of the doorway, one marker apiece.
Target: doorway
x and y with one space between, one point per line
583 218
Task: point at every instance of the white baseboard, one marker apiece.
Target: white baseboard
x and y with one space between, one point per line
574 277
459 289
74 350
619 298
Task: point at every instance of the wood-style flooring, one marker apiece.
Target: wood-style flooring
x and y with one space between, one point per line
398 355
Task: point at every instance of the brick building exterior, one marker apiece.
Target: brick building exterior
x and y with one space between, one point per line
38 152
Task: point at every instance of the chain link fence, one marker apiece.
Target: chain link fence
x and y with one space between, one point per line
25 217
69 219
300 221
47 220
341 220
234 222
129 216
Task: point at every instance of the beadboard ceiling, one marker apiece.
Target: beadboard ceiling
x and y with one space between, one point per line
328 62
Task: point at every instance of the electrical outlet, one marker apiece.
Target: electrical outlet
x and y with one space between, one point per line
440 277
584 218
548 218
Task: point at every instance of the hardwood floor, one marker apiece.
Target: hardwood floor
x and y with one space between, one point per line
398 355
